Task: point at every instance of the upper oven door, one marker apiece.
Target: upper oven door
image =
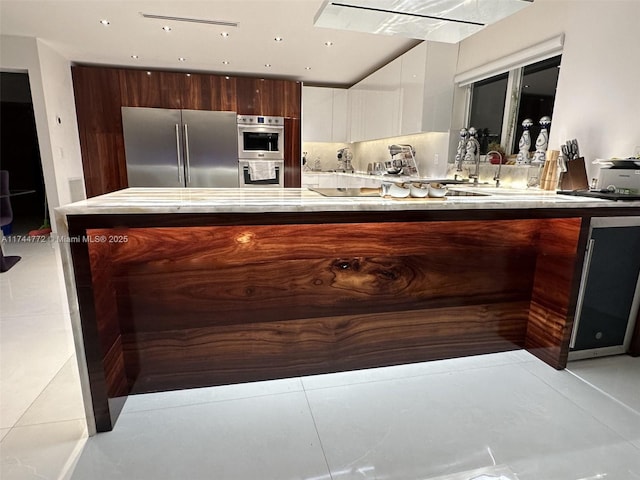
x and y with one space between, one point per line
260 142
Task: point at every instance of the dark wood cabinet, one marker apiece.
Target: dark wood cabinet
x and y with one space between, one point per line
100 92
97 95
209 92
292 156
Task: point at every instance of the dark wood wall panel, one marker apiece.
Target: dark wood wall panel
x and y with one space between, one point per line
97 94
218 355
556 283
293 153
101 92
151 89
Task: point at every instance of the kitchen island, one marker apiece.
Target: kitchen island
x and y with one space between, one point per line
181 288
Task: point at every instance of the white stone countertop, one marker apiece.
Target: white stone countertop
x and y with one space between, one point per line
261 200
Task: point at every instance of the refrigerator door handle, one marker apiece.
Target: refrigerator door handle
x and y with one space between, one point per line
186 143
581 293
178 152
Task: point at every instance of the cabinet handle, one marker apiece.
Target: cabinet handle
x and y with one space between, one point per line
581 293
186 150
178 153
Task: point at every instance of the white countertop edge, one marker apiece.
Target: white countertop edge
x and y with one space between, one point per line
269 200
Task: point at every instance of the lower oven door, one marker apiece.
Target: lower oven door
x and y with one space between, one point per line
261 173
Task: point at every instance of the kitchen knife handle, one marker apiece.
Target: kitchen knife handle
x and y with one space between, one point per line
178 153
581 293
186 150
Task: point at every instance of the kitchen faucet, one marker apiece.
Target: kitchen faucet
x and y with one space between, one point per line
496 177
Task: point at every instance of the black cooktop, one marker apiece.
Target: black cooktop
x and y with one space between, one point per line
600 194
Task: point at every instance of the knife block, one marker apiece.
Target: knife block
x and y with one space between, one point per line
575 178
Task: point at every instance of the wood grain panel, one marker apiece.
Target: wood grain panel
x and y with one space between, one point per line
296 289
209 92
293 153
234 245
272 97
97 98
225 354
248 96
140 88
292 100
554 294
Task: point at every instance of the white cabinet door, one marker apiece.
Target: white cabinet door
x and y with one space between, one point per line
317 114
442 59
339 132
412 89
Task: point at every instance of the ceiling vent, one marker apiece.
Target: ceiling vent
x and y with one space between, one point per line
437 20
220 23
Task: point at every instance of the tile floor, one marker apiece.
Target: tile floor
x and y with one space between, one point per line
493 416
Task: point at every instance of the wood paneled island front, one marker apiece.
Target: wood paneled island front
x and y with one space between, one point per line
182 288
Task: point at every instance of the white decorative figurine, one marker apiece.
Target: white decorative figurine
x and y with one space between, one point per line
525 143
542 142
462 146
472 147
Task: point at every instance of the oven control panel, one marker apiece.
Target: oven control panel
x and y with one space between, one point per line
260 120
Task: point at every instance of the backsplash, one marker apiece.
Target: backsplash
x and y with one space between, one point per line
426 145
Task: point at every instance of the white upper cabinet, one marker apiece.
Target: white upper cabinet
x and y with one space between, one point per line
324 114
414 64
373 104
411 94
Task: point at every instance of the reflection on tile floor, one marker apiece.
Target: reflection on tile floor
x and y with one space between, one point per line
504 415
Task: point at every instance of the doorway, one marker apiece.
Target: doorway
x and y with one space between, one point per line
20 153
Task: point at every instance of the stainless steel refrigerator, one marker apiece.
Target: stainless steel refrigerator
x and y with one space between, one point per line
180 148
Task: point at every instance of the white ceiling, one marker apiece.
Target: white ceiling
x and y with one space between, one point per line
72 27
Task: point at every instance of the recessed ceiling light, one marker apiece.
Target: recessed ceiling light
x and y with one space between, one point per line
225 62
307 68
105 22
182 59
267 65
135 57
329 43
224 34
166 28
278 39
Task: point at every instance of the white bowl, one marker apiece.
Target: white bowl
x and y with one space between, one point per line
397 191
418 192
437 190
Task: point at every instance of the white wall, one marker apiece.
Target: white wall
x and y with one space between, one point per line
597 99
52 96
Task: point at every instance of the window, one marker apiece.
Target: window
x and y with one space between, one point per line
500 103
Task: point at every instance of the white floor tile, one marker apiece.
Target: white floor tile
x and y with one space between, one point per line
446 423
271 437
40 451
31 355
415 369
619 376
61 400
195 396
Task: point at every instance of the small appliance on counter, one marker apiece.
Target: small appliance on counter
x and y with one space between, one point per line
618 179
344 160
403 160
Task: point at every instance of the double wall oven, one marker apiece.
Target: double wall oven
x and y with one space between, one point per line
260 151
